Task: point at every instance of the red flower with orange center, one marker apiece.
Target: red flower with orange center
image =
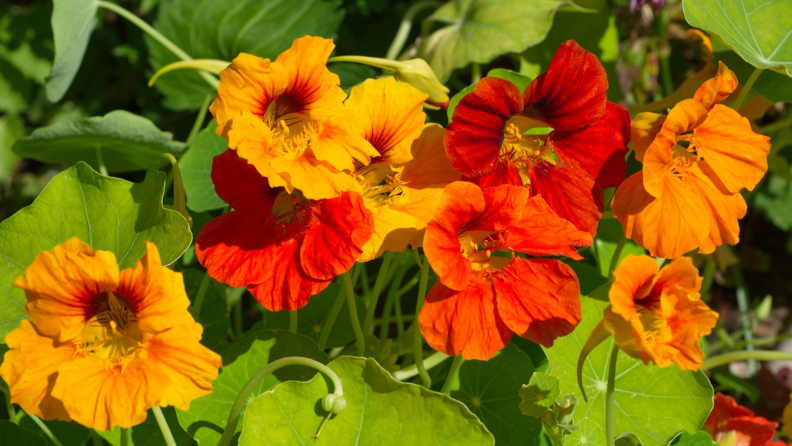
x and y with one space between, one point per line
283 247
729 419
487 141
482 298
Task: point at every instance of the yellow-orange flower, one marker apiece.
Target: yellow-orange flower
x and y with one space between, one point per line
103 346
287 118
696 160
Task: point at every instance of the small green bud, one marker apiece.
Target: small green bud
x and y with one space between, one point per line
420 75
334 403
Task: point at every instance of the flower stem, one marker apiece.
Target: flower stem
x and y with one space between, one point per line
293 320
393 296
46 430
452 374
665 65
417 338
126 436
746 88
361 342
241 399
405 27
609 396
100 160
164 41
475 72
163 425
195 309
742 304
9 405
706 283
371 305
743 355
616 254
408 372
331 318
199 119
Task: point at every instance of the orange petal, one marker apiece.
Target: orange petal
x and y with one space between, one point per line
316 179
570 192
679 274
633 280
630 336
540 232
725 208
538 299
706 42
643 130
393 231
464 322
728 144
252 138
60 286
30 368
339 142
430 166
718 88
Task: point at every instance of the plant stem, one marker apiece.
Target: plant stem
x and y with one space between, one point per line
163 425
164 41
100 160
743 355
405 27
431 361
417 338
9 405
665 65
361 342
452 374
371 305
610 395
331 318
293 320
746 88
199 119
742 305
393 295
96 439
706 283
46 430
475 75
616 254
195 309
399 317
241 399
126 436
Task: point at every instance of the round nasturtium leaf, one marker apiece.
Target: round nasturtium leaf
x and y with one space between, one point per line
380 410
110 214
196 169
651 402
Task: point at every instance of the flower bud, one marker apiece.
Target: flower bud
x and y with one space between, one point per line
334 403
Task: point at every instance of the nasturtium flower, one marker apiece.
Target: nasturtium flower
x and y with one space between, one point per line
287 118
283 247
102 346
695 162
482 298
730 424
491 136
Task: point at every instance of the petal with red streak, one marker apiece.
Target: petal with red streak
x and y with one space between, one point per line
503 174
571 193
240 185
540 232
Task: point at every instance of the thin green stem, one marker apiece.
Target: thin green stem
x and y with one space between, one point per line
361 341
417 258
746 88
410 371
405 27
96 439
745 355
399 317
393 295
610 436
406 318
364 280
371 305
782 123
9 405
760 341
199 119
706 283
616 254
195 309
356 273
417 338
665 64
100 160
242 397
163 425
164 41
475 75
46 430
293 320
742 305
126 436
331 318
452 374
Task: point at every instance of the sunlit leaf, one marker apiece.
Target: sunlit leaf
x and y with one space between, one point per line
539 394
609 232
73 21
698 439
588 433
196 169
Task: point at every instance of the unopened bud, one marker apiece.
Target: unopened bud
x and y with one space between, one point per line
334 403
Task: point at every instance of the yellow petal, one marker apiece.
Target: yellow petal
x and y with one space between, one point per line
316 179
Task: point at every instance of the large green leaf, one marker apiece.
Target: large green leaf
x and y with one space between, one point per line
758 30
653 403
481 30
491 390
208 29
774 86
208 415
539 394
588 433
196 169
107 213
149 433
73 21
125 141
13 435
380 410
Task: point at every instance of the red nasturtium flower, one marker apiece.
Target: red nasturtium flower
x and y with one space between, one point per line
482 298
103 346
283 247
739 424
695 162
568 167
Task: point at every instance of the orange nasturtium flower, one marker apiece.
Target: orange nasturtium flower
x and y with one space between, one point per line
103 346
481 298
695 162
730 424
287 118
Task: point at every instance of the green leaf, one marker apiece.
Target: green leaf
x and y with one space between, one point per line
214 312
13 435
379 408
588 433
491 390
484 29
777 202
700 438
125 141
584 5
69 434
12 127
208 29
774 86
149 433
521 81
208 415
609 232
651 402
539 394
73 21
589 276
534 351
759 31
107 213
196 169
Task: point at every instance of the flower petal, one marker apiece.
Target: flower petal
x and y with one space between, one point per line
393 231
316 179
252 138
643 130
240 185
430 166
718 88
725 208
571 193
287 286
339 142
633 279
540 232
505 173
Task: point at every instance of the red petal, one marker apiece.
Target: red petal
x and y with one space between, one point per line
600 148
288 288
573 92
540 232
240 185
539 299
504 174
571 193
475 133
464 322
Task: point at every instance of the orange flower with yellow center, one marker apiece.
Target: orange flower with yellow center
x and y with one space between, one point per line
287 118
696 160
103 346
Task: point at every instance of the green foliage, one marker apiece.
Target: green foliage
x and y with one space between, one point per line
698 439
13 435
69 434
777 202
522 82
123 141
73 21
214 310
774 86
378 408
539 394
196 169
148 433
107 213
587 433
609 232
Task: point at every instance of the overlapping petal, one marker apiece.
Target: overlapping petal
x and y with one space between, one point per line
727 416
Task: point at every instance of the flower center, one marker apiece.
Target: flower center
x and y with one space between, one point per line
479 246
112 333
524 151
291 130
